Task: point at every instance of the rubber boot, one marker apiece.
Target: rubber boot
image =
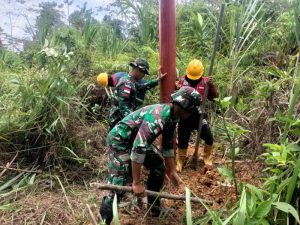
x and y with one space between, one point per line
106 211
181 154
207 156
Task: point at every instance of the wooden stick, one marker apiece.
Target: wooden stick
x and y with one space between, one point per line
6 167
148 193
15 169
91 214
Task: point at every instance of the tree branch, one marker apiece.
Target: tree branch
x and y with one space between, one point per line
148 193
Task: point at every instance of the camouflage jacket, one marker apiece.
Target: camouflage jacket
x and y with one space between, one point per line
139 129
141 86
123 101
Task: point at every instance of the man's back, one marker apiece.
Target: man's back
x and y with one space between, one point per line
123 101
140 128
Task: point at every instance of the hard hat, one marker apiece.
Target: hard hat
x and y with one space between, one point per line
188 98
102 79
142 64
195 69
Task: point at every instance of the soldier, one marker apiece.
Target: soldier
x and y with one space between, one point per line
124 99
142 86
128 148
194 78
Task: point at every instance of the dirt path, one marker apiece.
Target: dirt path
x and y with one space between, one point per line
205 183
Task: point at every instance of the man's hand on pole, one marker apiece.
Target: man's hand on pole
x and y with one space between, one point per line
160 75
210 81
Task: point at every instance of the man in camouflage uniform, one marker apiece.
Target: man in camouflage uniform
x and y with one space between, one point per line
124 99
142 86
128 147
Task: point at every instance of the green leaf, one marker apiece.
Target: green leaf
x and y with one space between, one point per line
15 81
242 214
264 222
115 211
216 219
188 206
243 202
285 207
273 146
32 178
225 102
263 209
257 191
293 183
251 203
229 218
293 147
236 151
240 219
224 171
200 19
296 123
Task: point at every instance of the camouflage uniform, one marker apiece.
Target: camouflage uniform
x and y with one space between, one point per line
124 100
130 140
141 86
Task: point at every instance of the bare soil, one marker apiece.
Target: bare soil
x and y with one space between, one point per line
47 202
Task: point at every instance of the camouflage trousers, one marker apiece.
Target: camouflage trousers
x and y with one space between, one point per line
119 171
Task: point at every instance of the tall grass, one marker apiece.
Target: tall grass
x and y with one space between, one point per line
41 110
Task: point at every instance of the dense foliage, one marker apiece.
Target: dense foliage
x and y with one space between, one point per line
45 88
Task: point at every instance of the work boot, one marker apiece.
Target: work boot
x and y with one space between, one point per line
207 156
106 211
181 154
155 209
154 183
160 211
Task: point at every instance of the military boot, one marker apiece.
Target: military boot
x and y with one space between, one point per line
207 156
106 211
181 154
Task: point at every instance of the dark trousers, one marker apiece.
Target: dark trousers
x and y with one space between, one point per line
185 128
153 162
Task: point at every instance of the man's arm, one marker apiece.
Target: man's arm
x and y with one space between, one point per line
137 187
147 85
152 83
168 153
212 89
147 132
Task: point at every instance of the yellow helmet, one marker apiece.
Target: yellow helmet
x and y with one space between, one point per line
102 79
195 69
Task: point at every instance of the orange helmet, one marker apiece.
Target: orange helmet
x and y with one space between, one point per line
195 69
